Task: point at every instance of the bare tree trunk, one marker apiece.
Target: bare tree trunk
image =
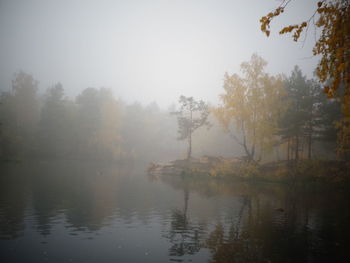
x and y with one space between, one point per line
297 148
277 151
301 152
186 197
309 146
189 152
250 155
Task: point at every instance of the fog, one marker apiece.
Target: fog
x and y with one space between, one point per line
173 131
145 50
102 71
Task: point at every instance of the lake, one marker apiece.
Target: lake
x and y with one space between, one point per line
74 211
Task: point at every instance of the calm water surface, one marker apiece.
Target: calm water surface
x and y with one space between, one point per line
97 212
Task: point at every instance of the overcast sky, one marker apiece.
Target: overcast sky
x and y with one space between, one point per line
147 50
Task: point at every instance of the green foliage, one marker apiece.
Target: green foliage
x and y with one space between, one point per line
310 117
332 45
19 116
191 116
98 123
298 121
95 125
55 135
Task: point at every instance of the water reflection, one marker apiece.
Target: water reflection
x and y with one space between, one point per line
115 213
274 223
87 195
12 205
183 235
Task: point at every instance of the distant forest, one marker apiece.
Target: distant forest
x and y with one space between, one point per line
94 125
97 125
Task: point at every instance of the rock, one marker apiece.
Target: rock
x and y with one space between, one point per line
203 165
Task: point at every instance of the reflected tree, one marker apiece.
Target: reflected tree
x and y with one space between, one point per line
13 194
185 237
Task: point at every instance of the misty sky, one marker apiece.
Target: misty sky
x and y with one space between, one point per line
147 50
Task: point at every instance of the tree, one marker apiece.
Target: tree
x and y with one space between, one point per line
327 114
333 45
192 115
25 103
253 103
99 122
108 135
296 126
56 126
19 115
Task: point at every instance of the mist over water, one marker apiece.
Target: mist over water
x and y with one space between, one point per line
91 212
171 131
144 51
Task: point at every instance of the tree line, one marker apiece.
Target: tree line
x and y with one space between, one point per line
261 116
93 125
278 113
331 18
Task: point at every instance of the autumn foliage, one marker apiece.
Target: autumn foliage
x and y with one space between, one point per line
333 46
251 105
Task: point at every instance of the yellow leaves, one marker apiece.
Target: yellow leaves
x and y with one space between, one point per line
298 30
265 25
333 46
320 22
222 116
329 92
288 29
278 11
253 102
304 24
265 20
341 67
224 167
335 23
340 54
270 15
326 89
321 10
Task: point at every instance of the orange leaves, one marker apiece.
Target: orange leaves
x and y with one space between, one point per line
265 25
253 103
335 23
265 20
298 29
288 29
332 46
341 68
